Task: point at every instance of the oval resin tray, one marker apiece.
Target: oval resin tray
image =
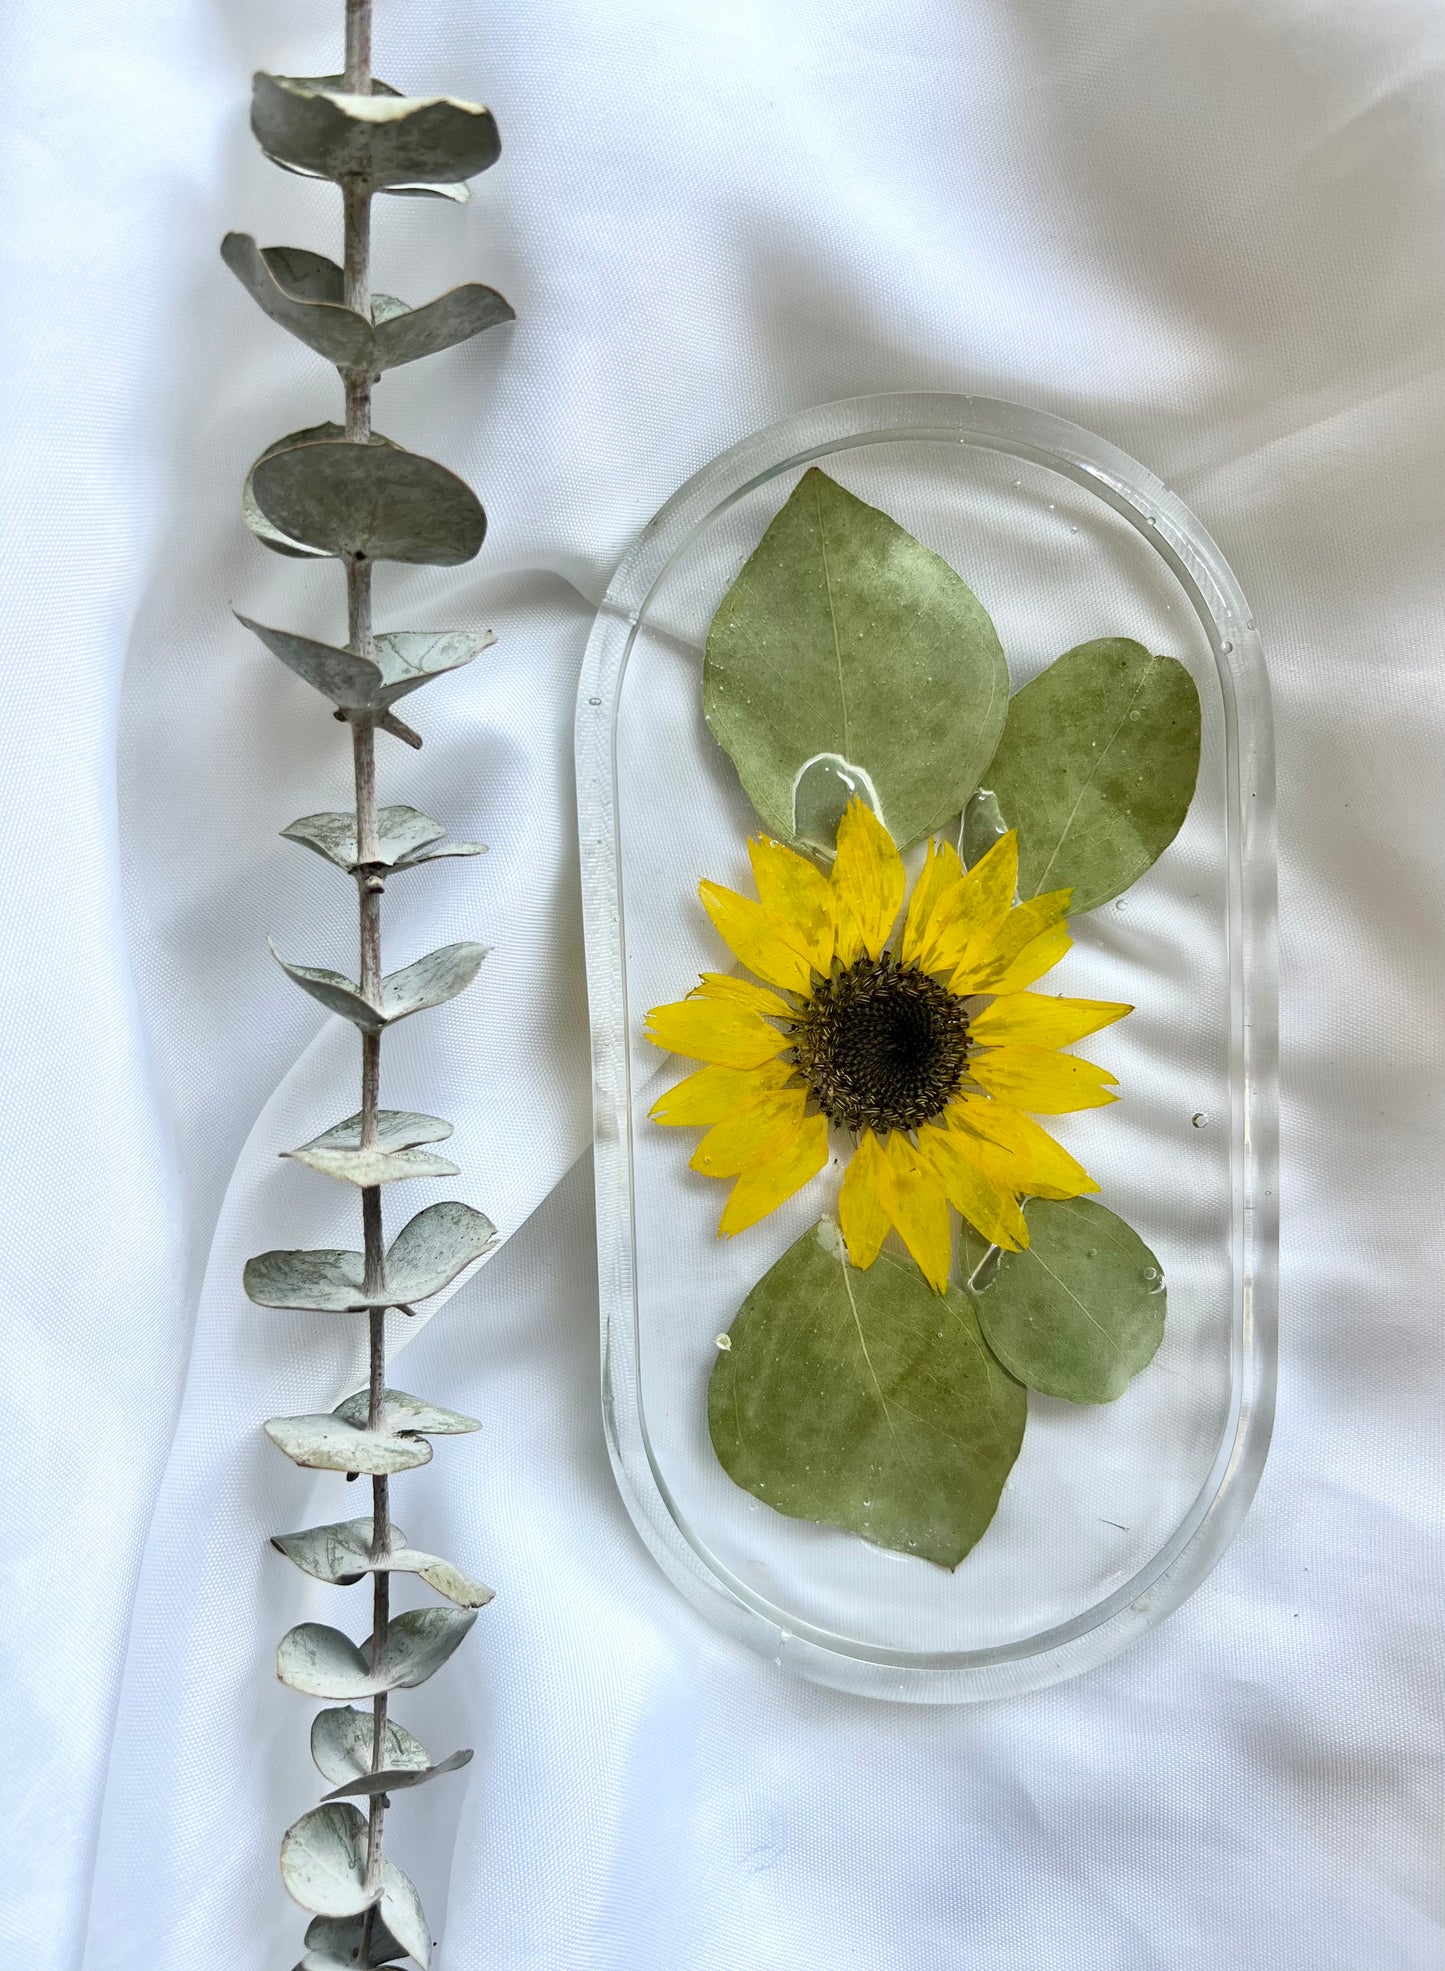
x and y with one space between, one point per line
1114 1512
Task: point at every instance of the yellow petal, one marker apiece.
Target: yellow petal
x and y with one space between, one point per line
861 1212
712 1030
967 906
1028 940
1014 1151
918 1205
1045 1084
763 1129
764 1186
749 933
988 1206
797 897
941 869
848 939
713 1093
743 992
1035 1019
868 875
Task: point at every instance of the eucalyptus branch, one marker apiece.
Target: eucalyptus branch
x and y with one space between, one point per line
343 492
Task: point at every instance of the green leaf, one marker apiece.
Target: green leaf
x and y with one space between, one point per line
320 1661
864 1400
305 293
341 1555
269 535
430 981
341 1746
1080 1311
405 839
323 1861
372 1166
340 1441
333 1943
845 636
1096 768
404 661
333 497
311 125
426 1255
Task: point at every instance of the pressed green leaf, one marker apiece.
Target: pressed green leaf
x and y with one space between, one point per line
321 1662
337 498
304 293
1096 768
340 1554
333 1943
426 1255
310 124
843 636
864 1400
1080 1311
404 661
341 1744
269 535
405 838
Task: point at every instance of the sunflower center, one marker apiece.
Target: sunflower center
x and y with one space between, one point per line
882 1045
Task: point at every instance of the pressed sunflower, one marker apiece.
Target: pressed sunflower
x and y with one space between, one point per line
921 1043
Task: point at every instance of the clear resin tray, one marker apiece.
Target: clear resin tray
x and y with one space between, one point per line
1113 1514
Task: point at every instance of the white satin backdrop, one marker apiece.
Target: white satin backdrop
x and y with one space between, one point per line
1210 230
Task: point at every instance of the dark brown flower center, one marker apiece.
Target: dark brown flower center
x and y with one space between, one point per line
883 1045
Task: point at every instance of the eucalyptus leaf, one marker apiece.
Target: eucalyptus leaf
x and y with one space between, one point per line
403 1913
1096 768
269 535
403 1412
862 1399
405 838
312 125
323 1861
340 1554
339 498
321 1662
386 1780
426 1255
335 1941
305 294
341 1744
428 982
843 636
330 1442
372 1166
404 661
1080 1311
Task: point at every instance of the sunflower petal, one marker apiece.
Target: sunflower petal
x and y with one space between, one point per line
861 1211
797 897
918 1205
1036 1019
763 1129
712 1030
743 992
941 869
750 934
1014 1151
1044 1084
868 875
762 1187
712 1093
1019 942
969 905
992 1210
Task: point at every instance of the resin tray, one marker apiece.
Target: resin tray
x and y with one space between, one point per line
1113 1514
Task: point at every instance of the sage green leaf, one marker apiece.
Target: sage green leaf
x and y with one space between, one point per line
321 1662
844 636
405 660
1080 1311
341 1746
430 981
337 498
405 1918
426 1255
311 125
324 324
864 1400
323 1861
453 317
1096 768
333 1943
396 1129
341 1555
385 1780
405 838
368 1167
340 1441
268 535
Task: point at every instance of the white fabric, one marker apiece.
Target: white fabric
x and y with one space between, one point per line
1209 230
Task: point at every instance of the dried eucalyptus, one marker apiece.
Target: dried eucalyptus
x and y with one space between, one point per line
344 492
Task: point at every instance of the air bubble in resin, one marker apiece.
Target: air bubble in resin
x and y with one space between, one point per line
821 792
